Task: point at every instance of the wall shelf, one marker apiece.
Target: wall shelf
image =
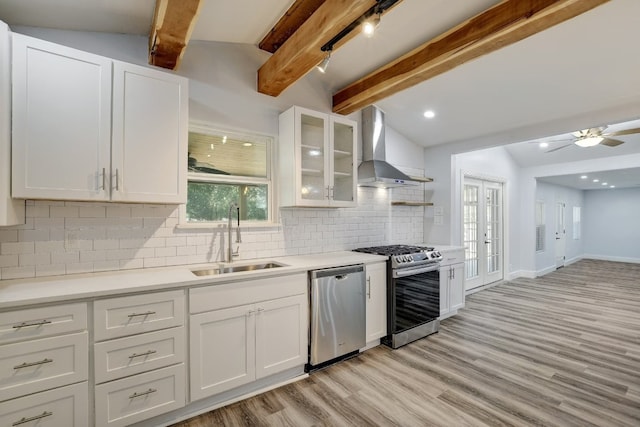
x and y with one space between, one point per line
400 203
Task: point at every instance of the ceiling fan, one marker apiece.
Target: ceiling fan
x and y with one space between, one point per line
594 136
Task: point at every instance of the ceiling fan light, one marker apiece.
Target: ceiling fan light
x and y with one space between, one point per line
589 142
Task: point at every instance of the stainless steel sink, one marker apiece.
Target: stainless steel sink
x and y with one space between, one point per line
235 268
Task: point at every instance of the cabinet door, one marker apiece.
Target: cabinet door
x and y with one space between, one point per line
281 335
376 301
343 161
11 210
61 121
150 131
456 286
222 345
312 145
445 273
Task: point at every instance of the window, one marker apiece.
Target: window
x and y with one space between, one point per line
540 227
227 168
576 223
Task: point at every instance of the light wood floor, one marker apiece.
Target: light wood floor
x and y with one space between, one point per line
561 350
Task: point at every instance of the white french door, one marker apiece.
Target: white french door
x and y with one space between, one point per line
483 232
560 235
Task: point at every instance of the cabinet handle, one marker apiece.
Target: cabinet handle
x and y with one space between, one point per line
104 179
146 353
369 287
331 192
146 313
117 181
250 312
144 393
25 420
29 364
453 274
260 310
328 191
28 325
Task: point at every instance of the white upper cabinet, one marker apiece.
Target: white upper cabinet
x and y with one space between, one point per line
61 121
149 145
11 210
317 159
86 127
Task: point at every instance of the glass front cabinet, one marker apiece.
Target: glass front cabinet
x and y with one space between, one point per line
317 154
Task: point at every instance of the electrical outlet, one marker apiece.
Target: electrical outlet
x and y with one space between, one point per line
71 240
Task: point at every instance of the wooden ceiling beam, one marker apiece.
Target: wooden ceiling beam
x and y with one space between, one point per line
289 23
302 51
501 25
173 23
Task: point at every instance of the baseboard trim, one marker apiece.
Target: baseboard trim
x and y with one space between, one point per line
611 258
573 260
546 270
521 273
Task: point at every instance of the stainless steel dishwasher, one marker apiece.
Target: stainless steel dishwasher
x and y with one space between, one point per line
338 303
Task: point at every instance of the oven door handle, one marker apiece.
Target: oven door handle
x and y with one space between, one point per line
404 272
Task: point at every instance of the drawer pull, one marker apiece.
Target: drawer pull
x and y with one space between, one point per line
146 353
24 420
146 313
26 365
144 393
28 325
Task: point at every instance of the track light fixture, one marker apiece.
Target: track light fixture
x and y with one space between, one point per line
369 26
322 66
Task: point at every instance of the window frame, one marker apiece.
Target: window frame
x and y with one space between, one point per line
272 203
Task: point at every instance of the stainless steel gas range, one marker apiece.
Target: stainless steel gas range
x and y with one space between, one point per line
413 292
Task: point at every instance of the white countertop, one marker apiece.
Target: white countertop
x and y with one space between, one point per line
21 292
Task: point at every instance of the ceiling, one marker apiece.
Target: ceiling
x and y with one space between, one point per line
621 178
572 75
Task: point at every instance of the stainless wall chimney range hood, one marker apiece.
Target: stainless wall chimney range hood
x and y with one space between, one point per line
374 171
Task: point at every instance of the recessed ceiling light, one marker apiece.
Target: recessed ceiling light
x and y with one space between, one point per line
247 144
224 139
584 177
429 114
604 183
543 144
211 146
612 186
596 180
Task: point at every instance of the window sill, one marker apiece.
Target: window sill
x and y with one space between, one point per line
223 224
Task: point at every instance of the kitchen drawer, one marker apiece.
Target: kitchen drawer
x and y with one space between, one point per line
246 292
136 398
452 257
65 406
33 366
119 317
133 355
42 322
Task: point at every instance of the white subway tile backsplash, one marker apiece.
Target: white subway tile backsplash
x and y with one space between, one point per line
78 237
17 248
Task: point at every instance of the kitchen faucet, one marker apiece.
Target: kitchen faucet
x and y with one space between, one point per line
230 252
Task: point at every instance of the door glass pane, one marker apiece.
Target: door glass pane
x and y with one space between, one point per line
493 230
471 230
343 158
313 158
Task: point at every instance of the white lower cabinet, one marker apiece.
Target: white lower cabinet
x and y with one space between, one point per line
139 357
64 406
31 366
136 398
376 324
233 346
451 283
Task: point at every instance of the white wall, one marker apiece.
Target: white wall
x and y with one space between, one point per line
574 249
115 236
611 227
528 191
